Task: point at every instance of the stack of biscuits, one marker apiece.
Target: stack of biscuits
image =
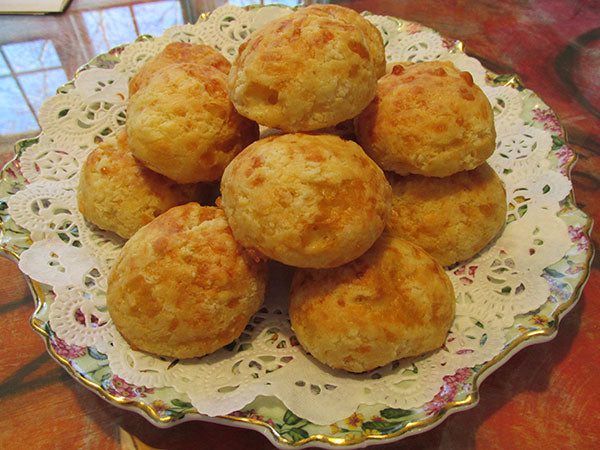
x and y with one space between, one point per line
367 223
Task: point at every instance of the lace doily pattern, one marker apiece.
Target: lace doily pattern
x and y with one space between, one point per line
515 286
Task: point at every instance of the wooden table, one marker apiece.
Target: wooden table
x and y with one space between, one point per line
546 396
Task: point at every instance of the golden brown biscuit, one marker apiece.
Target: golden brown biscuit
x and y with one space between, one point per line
452 218
117 193
303 72
178 52
183 125
371 33
393 302
182 287
305 200
427 118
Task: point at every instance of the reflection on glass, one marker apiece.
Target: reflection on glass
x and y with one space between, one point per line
16 117
154 18
32 55
109 28
115 26
266 2
40 85
29 72
4 70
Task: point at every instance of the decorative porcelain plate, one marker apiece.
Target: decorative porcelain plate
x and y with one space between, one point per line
511 295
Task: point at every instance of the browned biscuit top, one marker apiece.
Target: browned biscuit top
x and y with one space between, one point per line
372 35
393 302
305 200
182 286
178 52
303 72
453 217
427 118
118 193
183 125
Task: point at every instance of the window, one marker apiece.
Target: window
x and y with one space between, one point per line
110 27
29 72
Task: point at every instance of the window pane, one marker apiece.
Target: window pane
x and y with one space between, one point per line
109 28
40 85
243 2
32 55
153 18
3 66
15 115
267 2
284 2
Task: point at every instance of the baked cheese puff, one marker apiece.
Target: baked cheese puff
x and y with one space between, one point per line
118 193
182 124
305 200
370 32
178 52
427 118
303 72
452 218
182 287
393 302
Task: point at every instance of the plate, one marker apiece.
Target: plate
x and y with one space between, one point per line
511 295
